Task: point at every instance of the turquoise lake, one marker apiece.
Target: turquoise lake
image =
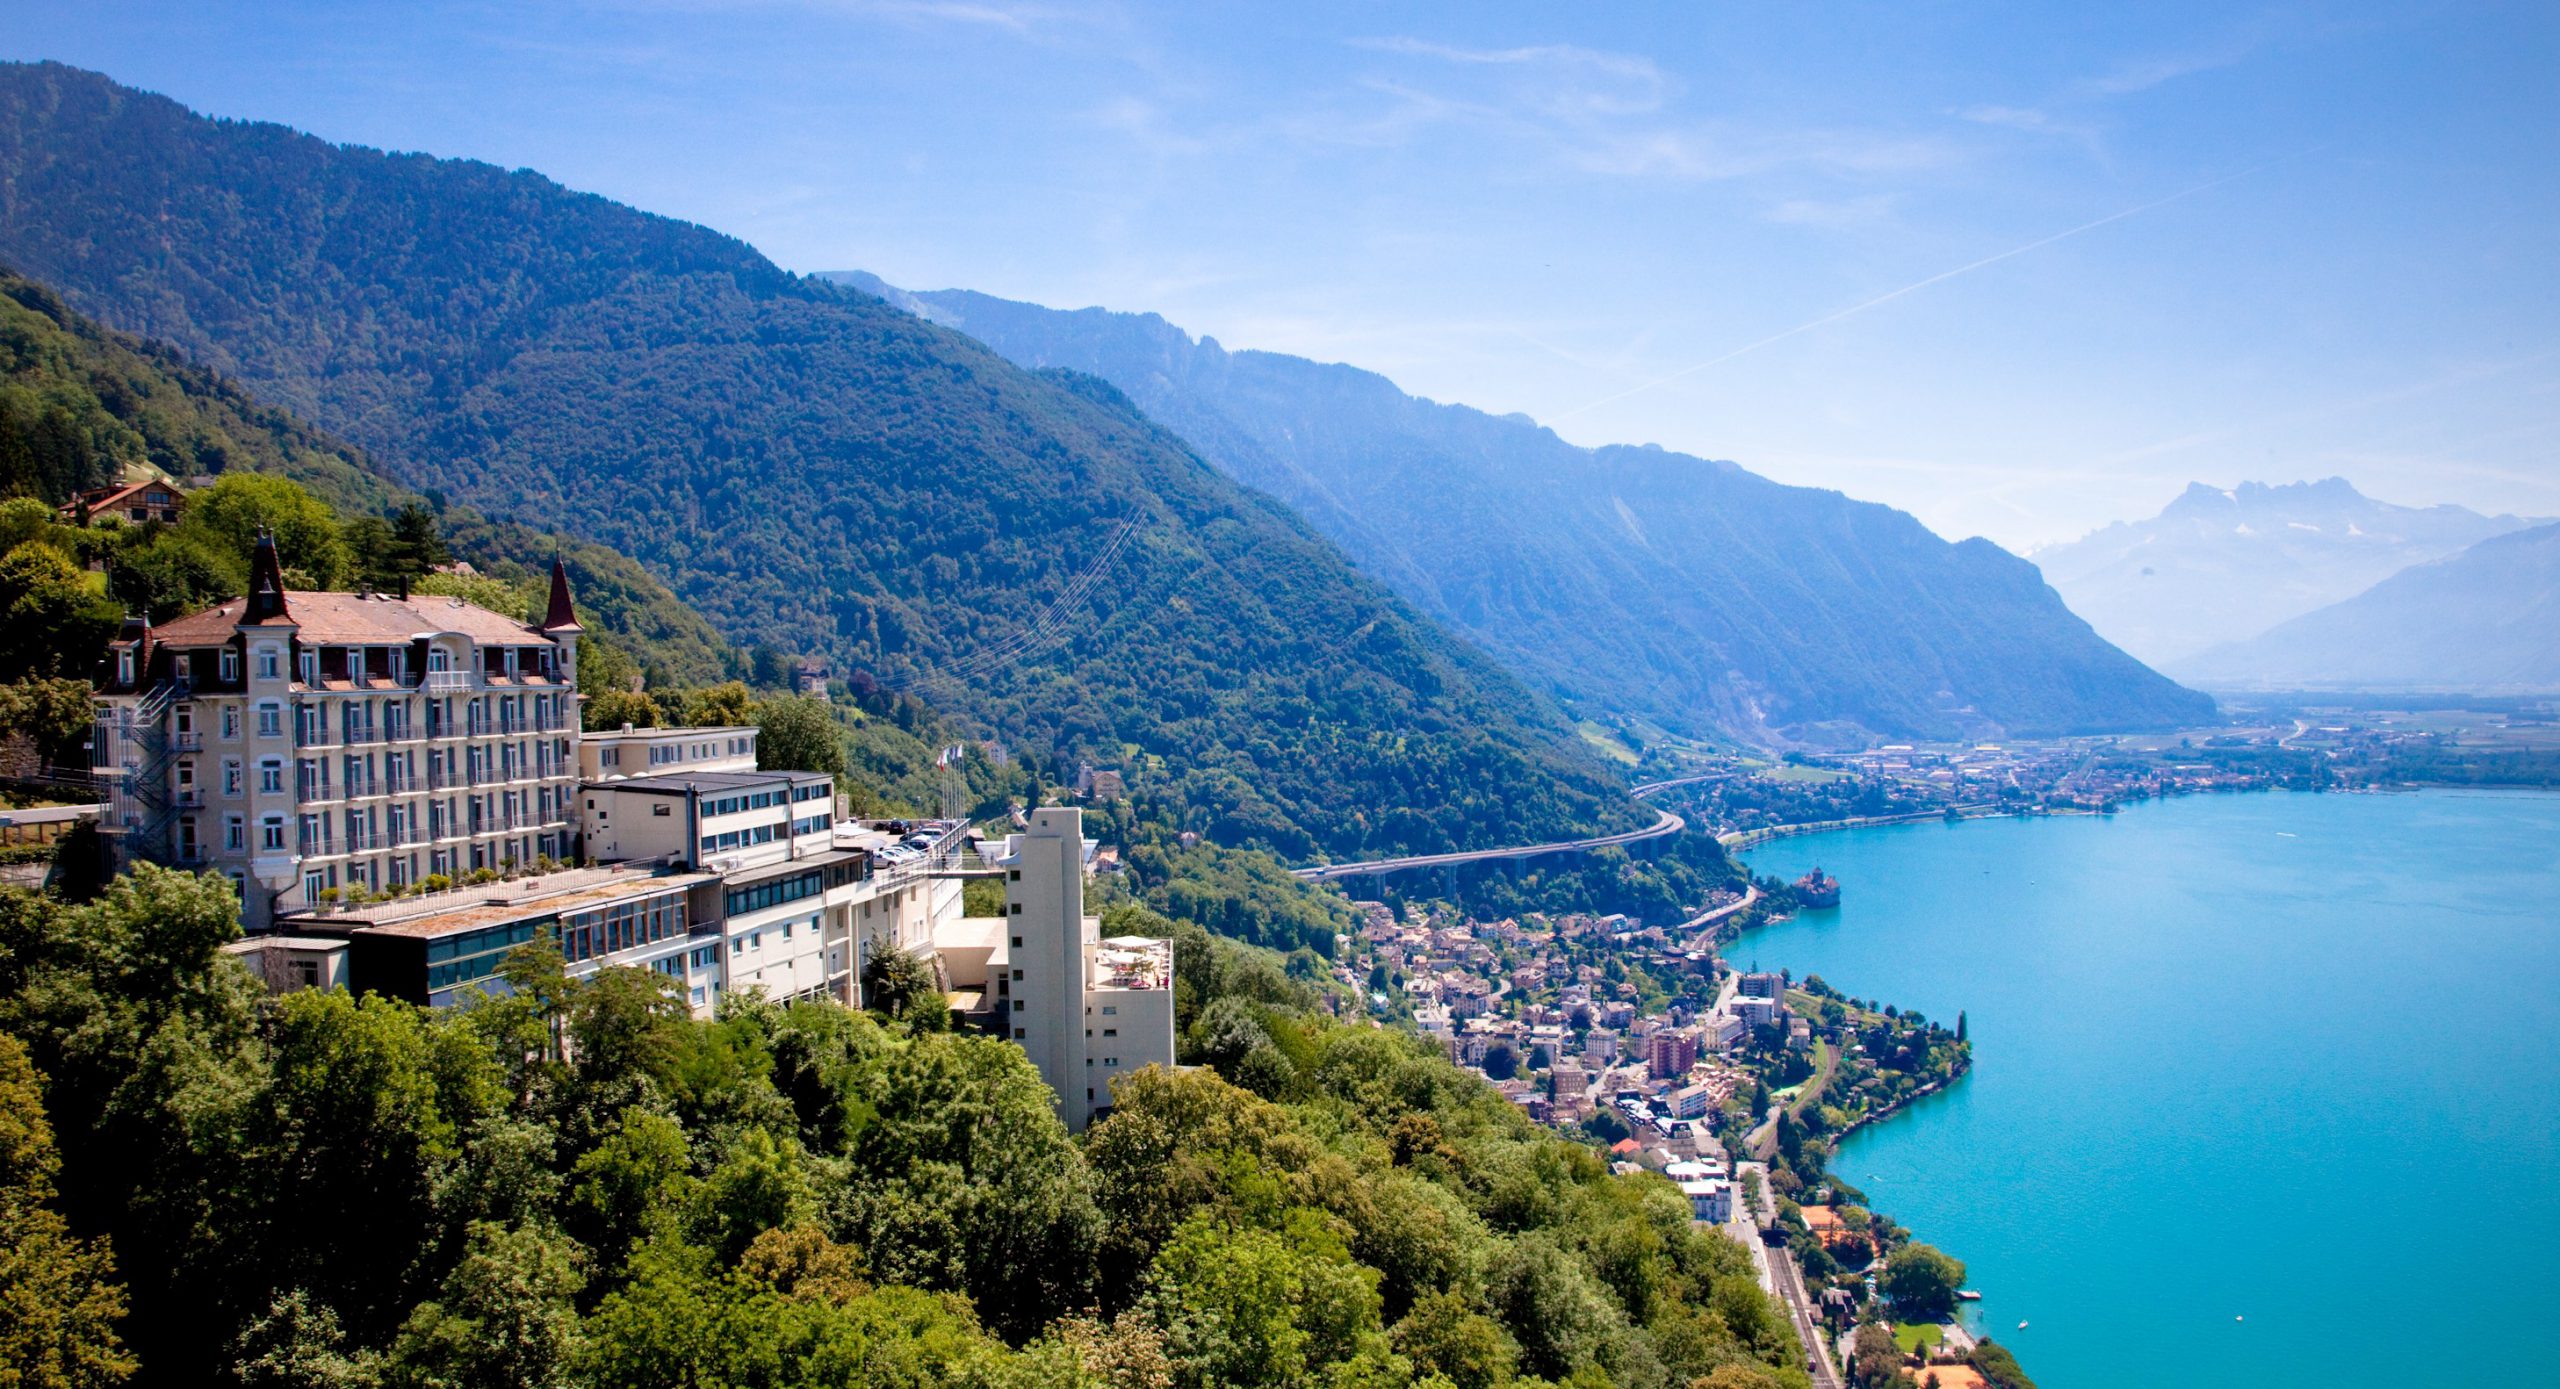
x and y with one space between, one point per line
2266 1088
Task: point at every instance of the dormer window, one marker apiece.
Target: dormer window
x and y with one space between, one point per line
230 666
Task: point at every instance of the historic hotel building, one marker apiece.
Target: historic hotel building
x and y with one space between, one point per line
307 744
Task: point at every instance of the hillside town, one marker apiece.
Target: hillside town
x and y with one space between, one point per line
1732 1083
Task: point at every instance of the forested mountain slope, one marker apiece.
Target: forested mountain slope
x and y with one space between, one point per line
82 406
2221 565
2485 620
1634 581
803 463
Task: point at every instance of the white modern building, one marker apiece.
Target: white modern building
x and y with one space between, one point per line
1089 1010
630 752
1709 1192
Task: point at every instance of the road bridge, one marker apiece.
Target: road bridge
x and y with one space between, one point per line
1666 824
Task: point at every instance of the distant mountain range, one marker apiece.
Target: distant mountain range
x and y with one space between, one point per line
803 464
1637 583
2220 566
2486 620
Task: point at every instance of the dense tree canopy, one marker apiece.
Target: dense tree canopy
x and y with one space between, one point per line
323 1190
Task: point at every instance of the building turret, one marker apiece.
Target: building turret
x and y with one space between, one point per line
560 621
266 583
561 615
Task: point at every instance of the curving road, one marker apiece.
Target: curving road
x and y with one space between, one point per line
1667 824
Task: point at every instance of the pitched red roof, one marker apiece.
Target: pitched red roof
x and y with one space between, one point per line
104 498
355 619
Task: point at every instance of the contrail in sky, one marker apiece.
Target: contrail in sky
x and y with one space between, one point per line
1918 285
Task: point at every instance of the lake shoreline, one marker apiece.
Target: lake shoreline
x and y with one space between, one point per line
2122 978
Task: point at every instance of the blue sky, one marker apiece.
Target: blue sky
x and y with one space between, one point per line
2020 269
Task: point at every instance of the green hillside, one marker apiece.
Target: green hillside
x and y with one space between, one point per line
82 406
807 466
578 1186
1644 586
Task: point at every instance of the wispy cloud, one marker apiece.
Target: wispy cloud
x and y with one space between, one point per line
1614 115
2463 374
1593 81
1914 287
1019 17
1148 125
2143 74
1834 212
2037 122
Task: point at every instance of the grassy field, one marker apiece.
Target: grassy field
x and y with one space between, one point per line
1826 1064
1610 745
1786 771
1912 1335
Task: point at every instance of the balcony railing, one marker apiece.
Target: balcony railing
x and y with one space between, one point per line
447 680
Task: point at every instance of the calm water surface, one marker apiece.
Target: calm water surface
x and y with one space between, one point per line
2287 1058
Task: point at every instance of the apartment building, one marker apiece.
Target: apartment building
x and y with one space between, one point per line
1087 1009
312 744
1669 1055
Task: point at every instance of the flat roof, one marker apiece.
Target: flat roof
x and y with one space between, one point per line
972 932
547 894
783 868
678 783
251 945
